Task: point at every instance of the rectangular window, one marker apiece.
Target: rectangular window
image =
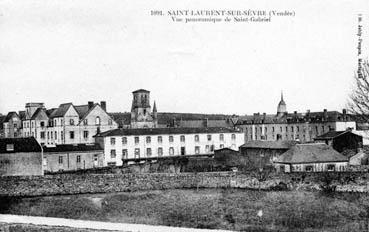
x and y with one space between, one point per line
233 136
51 133
148 152
71 135
137 153
197 138
212 148
197 150
113 154
42 134
56 135
171 139
160 151
10 147
61 135
124 154
55 122
160 139
78 159
209 137
207 148
112 141
292 128
85 134
85 122
182 138
148 139
110 122
48 135
60 159
71 121
171 151
124 140
137 140
42 124
273 129
221 137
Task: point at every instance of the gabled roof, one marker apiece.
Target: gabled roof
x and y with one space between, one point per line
311 153
333 134
82 110
61 110
281 144
50 111
165 131
73 147
22 114
28 144
39 110
10 115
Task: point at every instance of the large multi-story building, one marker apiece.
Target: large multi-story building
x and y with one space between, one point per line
123 145
67 124
303 127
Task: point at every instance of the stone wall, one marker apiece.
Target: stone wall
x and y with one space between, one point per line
104 183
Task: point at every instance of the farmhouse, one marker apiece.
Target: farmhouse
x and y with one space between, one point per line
312 157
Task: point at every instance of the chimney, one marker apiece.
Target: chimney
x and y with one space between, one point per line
90 104
325 114
103 105
344 112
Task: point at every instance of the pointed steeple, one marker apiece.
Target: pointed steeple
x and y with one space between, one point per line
281 95
154 108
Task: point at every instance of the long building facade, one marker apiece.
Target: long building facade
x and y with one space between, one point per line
302 127
121 145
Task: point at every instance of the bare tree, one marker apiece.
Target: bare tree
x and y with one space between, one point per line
359 99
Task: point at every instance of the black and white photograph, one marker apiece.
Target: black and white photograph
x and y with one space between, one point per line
184 116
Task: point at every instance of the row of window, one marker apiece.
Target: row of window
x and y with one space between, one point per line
171 139
208 148
78 159
71 122
54 135
292 129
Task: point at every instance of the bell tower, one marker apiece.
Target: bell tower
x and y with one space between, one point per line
141 116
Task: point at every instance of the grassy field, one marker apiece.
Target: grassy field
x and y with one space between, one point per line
208 208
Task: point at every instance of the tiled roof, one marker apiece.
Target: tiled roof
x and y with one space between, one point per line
83 110
331 135
36 113
22 114
72 147
311 153
20 145
169 130
121 118
61 110
284 144
10 115
50 111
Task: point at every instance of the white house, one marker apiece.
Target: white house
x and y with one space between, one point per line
142 143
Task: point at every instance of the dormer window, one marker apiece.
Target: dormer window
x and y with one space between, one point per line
9 147
71 121
97 120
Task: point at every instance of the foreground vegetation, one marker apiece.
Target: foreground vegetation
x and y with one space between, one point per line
232 209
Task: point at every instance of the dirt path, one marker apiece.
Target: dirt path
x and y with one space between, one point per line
95 225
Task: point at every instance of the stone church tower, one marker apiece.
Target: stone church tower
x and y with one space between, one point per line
141 115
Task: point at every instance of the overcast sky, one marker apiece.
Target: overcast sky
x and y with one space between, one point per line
55 51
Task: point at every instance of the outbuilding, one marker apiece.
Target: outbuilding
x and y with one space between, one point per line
311 157
20 157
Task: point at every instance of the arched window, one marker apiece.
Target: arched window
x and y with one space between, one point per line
97 120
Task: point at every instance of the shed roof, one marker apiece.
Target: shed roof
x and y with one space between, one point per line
284 144
311 153
73 147
28 144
